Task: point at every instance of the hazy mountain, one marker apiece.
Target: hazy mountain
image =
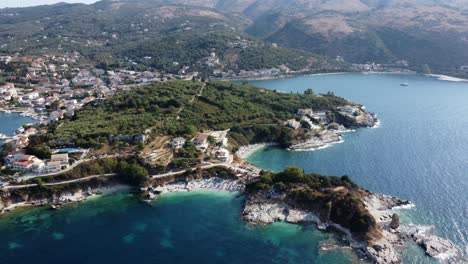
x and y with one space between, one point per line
146 33
432 32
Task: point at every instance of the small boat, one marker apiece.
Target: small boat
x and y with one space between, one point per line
404 84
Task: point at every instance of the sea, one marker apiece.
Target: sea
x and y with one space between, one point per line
10 122
419 152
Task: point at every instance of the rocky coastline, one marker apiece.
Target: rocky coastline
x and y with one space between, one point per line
10 202
388 248
384 250
265 209
333 133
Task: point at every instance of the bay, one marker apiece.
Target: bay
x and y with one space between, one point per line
419 152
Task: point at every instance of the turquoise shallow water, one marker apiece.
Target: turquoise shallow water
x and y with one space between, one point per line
420 151
198 227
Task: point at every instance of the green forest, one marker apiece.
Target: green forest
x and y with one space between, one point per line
338 199
176 108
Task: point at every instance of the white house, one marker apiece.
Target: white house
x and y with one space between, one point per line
201 141
39 167
61 158
53 166
31 96
177 142
22 165
222 154
321 116
292 123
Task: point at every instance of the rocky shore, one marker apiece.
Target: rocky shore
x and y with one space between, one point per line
8 203
214 183
386 249
265 208
322 140
333 132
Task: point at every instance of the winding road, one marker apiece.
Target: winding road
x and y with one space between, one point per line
157 176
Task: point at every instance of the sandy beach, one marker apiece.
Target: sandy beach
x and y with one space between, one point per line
246 151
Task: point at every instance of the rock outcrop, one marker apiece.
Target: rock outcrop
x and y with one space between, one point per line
387 249
395 221
261 211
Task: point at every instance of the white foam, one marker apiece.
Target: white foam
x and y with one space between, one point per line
377 124
404 207
321 147
442 77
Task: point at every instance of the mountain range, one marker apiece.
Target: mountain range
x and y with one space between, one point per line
423 32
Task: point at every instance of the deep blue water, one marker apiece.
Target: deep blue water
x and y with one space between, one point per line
420 151
198 227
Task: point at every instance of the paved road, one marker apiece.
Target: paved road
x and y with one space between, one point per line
9 187
203 167
157 176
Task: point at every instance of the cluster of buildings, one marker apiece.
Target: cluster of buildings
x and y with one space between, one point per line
202 141
264 73
56 86
309 116
17 159
398 66
29 163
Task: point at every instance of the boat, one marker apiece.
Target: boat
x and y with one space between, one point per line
3 136
404 84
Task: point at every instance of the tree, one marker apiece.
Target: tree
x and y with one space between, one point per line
290 175
41 151
6 148
190 130
305 124
309 91
133 173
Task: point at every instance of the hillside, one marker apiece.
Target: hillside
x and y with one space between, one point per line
381 31
422 32
145 34
174 109
165 34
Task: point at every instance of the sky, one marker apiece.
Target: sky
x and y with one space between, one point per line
23 3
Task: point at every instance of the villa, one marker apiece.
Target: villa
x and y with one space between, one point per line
22 165
201 141
53 166
222 154
61 158
177 142
292 123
